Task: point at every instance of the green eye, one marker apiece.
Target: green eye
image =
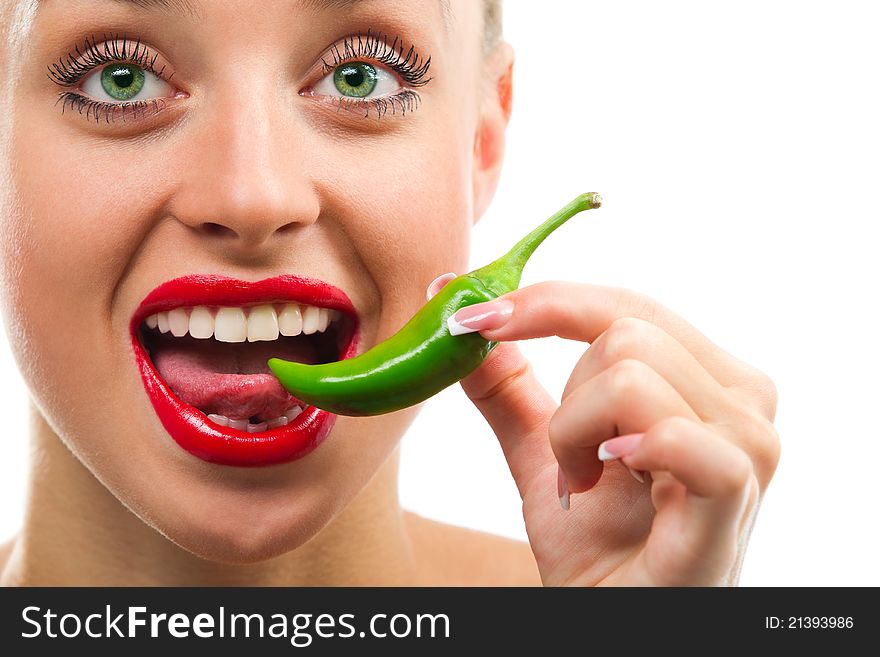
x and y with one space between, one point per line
122 81
355 80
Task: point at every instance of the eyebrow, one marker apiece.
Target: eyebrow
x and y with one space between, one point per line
190 6
194 8
346 4
178 6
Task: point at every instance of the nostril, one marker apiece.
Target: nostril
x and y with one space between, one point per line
286 228
212 228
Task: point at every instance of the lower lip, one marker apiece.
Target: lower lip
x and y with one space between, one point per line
187 425
191 429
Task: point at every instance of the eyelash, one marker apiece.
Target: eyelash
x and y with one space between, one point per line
410 66
407 63
96 109
68 73
70 70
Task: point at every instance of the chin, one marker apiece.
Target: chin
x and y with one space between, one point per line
245 527
234 515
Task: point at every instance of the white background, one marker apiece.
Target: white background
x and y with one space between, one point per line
736 146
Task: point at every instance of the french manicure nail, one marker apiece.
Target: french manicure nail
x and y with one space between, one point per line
614 448
437 284
480 317
562 490
636 474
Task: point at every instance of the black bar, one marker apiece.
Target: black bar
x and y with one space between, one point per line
635 620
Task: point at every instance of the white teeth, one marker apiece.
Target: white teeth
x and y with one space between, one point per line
222 420
162 322
252 324
311 319
291 413
262 324
245 425
230 325
324 319
241 425
178 321
201 323
290 320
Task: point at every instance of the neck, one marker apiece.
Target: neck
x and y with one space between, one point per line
76 532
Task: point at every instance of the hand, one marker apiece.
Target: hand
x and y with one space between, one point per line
651 394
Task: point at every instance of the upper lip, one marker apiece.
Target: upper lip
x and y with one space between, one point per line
212 290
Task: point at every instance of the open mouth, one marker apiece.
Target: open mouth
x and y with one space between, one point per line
202 344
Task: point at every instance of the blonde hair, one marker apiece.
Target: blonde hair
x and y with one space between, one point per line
491 23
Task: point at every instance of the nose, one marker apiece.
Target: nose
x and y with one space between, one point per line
244 181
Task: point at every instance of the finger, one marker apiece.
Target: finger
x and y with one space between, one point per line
636 339
703 490
517 407
629 397
696 534
437 284
716 473
630 338
578 311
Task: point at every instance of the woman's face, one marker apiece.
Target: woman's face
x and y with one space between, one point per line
249 158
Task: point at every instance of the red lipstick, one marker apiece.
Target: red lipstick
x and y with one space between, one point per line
187 425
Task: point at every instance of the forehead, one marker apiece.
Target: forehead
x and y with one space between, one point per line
196 6
449 12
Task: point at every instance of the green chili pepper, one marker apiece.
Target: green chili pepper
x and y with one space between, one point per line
422 358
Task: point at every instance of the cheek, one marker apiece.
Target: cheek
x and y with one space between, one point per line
70 229
407 206
79 222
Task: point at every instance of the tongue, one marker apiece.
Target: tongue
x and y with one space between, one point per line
229 379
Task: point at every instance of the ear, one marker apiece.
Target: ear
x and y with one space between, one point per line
490 135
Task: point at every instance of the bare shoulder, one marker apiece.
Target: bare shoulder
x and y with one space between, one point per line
5 552
455 556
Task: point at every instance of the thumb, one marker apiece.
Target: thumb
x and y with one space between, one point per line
517 407
437 284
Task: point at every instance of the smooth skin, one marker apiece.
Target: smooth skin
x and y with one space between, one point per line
244 176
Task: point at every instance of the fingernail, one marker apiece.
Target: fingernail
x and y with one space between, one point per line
480 317
562 490
437 284
636 474
614 448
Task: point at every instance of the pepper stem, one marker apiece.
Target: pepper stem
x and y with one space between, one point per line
504 274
